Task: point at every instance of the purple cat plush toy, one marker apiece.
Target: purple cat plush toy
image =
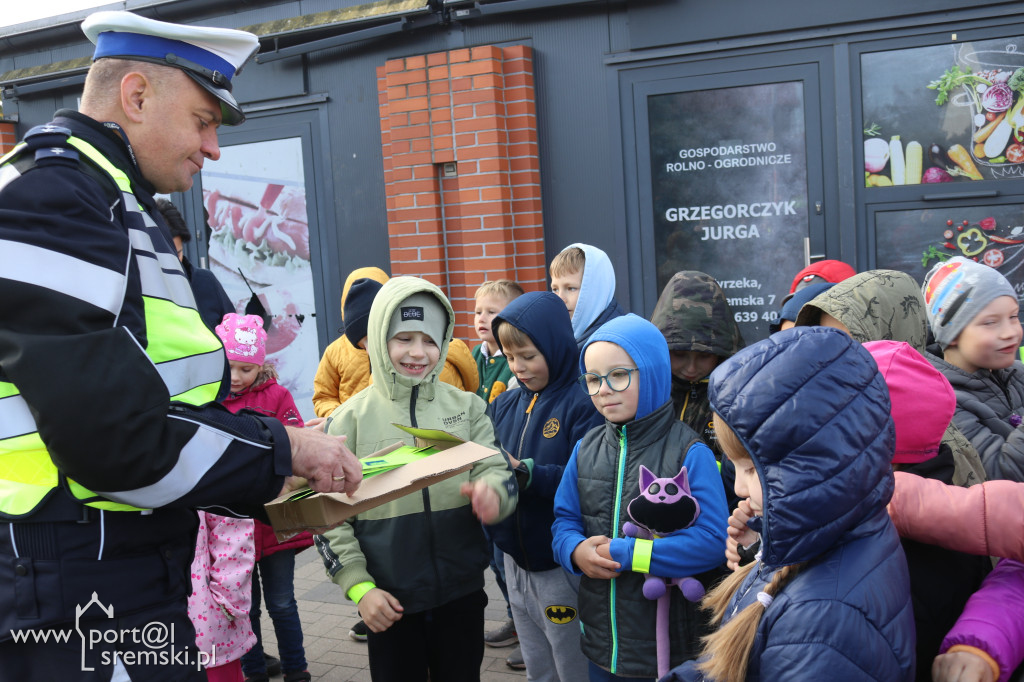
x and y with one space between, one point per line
664 506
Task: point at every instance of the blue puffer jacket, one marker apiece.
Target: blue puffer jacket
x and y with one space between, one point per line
540 428
812 410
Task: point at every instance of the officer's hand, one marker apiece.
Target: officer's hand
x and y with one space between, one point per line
325 461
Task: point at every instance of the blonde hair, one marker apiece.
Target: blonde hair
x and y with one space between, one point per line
569 261
102 90
726 652
728 440
499 288
266 373
510 335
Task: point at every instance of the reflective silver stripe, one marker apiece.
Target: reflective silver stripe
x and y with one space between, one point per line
159 284
198 456
15 417
153 272
184 374
7 174
130 202
67 275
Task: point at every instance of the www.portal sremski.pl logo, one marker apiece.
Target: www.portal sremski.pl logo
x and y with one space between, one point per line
150 644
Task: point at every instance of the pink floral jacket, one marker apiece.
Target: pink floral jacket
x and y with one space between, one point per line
222 587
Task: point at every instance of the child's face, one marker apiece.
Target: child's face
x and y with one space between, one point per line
242 375
413 354
989 341
567 288
529 366
747 485
692 365
617 407
486 308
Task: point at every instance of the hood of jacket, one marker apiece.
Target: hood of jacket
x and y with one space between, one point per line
646 345
811 408
373 273
693 314
920 424
597 288
875 305
544 318
385 377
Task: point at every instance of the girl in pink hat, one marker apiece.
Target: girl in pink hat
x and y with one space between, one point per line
254 386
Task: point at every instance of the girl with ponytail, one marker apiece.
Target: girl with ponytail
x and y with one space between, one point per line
805 418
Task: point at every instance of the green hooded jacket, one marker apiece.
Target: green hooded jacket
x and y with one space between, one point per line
426 548
882 305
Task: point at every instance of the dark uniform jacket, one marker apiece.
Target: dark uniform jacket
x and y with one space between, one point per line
73 334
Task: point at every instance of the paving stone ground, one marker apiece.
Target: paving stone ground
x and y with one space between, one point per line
327 616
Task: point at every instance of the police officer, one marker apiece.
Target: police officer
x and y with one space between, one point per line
109 436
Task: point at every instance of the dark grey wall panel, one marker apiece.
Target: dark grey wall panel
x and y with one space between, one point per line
668 22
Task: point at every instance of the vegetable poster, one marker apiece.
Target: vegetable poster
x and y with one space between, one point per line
256 197
945 113
729 192
949 113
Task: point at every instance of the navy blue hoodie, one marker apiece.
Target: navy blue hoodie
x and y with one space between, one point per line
540 428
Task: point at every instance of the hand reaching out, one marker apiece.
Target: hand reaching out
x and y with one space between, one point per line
961 666
325 461
593 558
486 503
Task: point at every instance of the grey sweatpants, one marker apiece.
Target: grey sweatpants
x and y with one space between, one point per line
547 622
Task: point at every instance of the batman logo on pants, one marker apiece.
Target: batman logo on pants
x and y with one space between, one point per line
560 615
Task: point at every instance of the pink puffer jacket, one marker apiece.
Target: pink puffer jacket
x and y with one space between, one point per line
985 519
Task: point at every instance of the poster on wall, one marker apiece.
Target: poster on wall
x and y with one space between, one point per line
944 113
256 198
915 240
729 191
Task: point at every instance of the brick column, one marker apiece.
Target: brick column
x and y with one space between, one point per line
7 136
474 110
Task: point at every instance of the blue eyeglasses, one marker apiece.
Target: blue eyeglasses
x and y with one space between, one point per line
618 380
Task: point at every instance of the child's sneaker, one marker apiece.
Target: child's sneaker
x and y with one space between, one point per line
273 665
515 660
359 632
502 636
297 676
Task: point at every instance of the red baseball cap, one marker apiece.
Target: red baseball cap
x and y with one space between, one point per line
830 271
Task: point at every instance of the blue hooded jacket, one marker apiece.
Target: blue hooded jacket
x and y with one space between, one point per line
600 480
540 428
811 408
596 303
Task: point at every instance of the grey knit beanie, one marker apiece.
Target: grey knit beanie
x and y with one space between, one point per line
956 291
420 312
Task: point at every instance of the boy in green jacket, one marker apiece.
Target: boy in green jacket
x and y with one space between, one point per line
415 566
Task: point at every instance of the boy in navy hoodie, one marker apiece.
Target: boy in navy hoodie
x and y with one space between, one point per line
538 425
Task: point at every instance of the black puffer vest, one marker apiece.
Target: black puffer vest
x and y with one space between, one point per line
618 621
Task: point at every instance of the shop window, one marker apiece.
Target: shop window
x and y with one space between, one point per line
913 241
940 114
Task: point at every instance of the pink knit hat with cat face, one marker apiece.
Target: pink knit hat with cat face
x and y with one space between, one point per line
922 400
243 337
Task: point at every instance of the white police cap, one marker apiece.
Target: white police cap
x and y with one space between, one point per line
210 56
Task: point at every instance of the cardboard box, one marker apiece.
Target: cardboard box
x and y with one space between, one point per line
326 510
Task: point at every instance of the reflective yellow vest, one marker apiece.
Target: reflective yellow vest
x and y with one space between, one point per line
188 356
